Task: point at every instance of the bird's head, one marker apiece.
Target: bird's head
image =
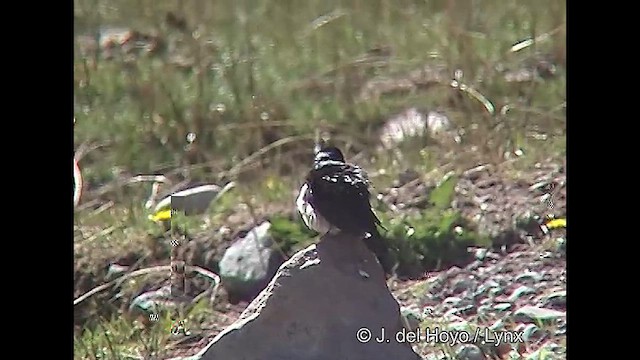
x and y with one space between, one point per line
330 153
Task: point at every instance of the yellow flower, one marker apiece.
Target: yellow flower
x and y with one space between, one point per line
556 223
161 215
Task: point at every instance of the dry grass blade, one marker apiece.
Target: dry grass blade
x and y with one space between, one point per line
215 279
247 126
77 181
230 185
324 20
528 42
104 232
87 147
119 280
149 178
235 170
109 342
488 105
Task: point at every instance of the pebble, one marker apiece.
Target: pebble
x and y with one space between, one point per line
534 314
483 289
530 332
462 284
474 265
480 254
469 352
496 291
520 291
412 315
498 325
453 272
502 306
467 310
547 352
452 312
452 300
557 298
529 276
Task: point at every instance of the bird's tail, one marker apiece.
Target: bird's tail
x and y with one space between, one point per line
377 245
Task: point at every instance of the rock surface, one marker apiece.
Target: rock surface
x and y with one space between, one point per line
249 264
518 291
313 308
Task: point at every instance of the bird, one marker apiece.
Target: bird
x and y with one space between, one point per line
335 198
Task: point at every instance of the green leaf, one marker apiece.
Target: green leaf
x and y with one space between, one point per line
448 220
443 194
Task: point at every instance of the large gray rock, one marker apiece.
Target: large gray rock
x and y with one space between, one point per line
313 308
249 263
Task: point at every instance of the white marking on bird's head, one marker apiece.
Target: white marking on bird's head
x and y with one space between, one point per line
329 154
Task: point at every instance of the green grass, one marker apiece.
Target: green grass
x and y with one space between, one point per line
258 78
251 58
137 337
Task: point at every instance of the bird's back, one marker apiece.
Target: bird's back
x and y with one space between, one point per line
340 193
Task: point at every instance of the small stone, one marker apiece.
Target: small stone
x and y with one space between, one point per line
468 295
498 325
152 301
467 310
480 254
462 284
453 272
432 357
428 311
452 300
412 316
474 265
529 276
535 314
547 352
496 291
530 332
452 312
485 287
470 352
461 325
484 309
546 255
115 270
562 330
502 306
480 291
452 318
520 291
557 298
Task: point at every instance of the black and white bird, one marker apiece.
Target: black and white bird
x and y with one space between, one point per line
335 198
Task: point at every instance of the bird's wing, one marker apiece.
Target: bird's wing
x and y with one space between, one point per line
340 193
